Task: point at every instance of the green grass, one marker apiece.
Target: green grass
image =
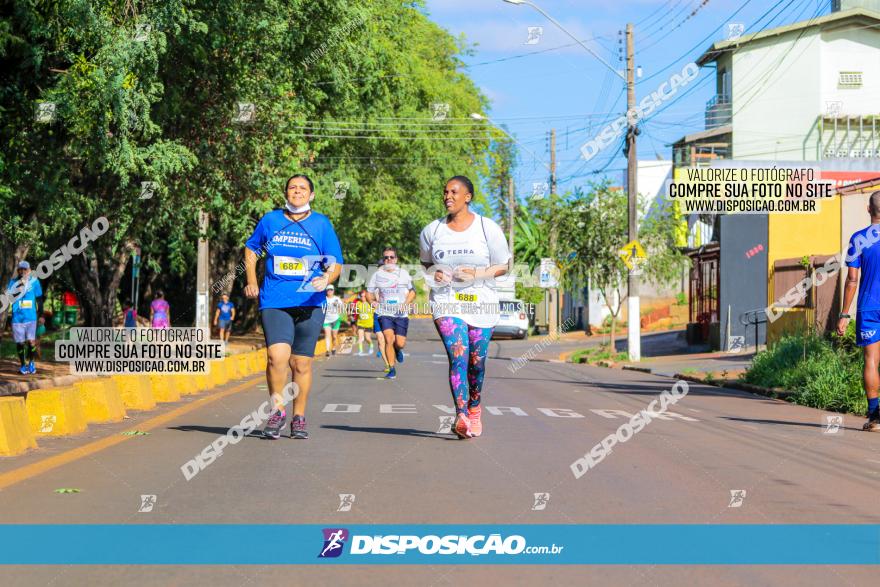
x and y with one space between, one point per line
595 354
824 373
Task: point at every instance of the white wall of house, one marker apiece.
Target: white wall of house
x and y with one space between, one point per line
781 84
651 183
851 49
770 121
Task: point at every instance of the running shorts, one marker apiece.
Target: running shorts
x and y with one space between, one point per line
223 324
396 323
334 325
24 331
299 327
867 327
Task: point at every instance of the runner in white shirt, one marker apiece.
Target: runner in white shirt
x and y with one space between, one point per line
393 289
463 253
332 320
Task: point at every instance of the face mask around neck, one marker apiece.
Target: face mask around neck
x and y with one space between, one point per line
294 210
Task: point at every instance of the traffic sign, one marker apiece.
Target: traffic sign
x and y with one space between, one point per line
549 273
632 254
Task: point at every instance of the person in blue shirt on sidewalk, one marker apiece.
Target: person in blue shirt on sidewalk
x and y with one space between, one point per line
25 290
863 256
303 257
224 316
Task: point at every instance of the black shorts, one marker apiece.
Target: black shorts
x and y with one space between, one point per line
398 324
298 327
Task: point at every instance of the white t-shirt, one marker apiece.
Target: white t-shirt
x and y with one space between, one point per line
335 306
392 288
481 245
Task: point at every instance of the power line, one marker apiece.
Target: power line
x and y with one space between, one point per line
700 44
679 25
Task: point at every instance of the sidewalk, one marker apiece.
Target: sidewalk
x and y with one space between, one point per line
719 365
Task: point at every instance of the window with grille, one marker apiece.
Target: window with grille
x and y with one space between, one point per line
849 79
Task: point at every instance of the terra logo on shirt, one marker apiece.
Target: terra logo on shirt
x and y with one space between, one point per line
442 253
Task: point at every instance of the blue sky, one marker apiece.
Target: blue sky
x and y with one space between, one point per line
556 83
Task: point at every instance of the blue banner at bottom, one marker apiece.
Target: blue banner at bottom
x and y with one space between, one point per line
551 544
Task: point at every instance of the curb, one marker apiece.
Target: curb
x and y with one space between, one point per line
781 394
64 406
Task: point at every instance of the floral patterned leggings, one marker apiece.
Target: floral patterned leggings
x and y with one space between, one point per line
466 347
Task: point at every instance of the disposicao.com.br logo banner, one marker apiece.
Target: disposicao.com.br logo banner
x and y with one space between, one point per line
440 544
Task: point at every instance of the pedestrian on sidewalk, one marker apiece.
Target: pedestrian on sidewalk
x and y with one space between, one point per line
129 315
863 274
303 259
26 290
463 253
224 317
160 311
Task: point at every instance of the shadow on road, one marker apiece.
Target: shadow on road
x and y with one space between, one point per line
215 430
785 423
394 431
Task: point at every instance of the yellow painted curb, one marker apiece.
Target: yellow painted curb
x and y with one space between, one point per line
257 363
243 365
15 433
202 381
55 411
232 368
101 400
164 389
136 392
219 372
185 383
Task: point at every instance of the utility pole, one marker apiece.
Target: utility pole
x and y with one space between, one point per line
553 293
552 160
511 213
202 275
632 196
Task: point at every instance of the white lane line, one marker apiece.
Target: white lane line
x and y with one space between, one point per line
440 362
873 461
436 355
693 410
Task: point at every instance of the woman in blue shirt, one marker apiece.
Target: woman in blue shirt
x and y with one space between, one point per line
302 256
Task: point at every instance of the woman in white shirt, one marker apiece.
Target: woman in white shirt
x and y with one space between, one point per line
463 253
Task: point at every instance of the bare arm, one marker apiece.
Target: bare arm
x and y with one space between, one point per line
251 290
322 281
849 293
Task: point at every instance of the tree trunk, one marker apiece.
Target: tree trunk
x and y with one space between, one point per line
613 324
97 275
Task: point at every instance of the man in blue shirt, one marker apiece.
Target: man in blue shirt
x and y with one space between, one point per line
224 316
303 257
25 290
864 256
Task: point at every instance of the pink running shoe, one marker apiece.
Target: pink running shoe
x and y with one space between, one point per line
462 426
476 424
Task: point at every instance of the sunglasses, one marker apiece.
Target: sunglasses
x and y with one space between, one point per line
390 257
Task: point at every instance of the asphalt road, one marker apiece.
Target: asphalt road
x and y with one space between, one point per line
380 442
